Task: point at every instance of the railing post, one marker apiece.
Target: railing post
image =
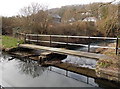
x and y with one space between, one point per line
17 35
89 44
18 39
37 38
117 46
50 40
67 40
25 36
29 39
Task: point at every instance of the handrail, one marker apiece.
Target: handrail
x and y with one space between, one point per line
54 42
68 36
109 38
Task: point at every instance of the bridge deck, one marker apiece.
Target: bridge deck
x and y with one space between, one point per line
65 51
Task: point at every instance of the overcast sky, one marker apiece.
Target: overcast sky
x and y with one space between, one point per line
12 7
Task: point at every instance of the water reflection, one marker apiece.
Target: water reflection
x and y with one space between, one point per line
4 57
31 68
20 71
25 66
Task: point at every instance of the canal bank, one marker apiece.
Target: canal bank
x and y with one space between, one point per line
109 68
9 42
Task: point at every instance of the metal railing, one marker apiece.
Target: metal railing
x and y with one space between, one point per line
50 41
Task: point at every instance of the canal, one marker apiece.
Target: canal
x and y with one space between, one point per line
16 73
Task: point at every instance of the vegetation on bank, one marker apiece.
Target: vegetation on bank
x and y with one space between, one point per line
109 67
10 42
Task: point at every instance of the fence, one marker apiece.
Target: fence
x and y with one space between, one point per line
27 38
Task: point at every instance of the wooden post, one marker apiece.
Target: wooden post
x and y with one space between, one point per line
117 46
89 44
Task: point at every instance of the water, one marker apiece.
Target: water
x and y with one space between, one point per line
81 61
85 62
90 63
16 73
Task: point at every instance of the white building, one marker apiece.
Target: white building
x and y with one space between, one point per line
90 19
71 20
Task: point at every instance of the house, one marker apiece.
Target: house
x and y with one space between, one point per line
90 19
56 18
86 13
71 20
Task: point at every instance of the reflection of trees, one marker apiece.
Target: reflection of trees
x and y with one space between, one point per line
31 68
3 57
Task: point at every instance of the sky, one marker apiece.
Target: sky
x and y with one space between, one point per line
12 7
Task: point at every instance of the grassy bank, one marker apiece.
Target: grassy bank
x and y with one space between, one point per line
109 68
9 42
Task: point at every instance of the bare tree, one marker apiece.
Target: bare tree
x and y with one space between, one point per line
35 18
33 8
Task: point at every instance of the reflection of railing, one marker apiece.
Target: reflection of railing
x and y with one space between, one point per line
96 82
68 74
28 38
